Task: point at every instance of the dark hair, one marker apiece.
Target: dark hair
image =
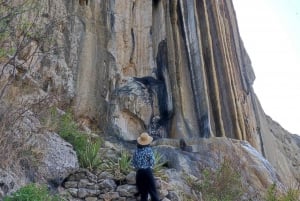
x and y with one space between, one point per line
142 146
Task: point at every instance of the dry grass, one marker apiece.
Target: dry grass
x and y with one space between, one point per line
15 131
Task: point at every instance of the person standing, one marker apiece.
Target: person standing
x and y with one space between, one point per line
143 161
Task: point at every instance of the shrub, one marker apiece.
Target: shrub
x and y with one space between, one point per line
119 166
159 164
86 147
222 185
271 193
290 195
89 157
32 192
124 162
194 183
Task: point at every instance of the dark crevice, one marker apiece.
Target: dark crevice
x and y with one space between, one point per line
162 66
133 5
133 45
155 2
83 2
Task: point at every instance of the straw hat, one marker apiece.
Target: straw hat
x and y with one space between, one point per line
144 139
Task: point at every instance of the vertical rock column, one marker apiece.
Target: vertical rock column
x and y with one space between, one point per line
130 46
228 71
193 45
89 35
185 67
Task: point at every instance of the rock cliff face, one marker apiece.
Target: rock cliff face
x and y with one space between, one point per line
177 69
180 64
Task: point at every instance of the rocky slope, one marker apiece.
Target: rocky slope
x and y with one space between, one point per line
177 69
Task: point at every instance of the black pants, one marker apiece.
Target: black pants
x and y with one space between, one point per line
146 184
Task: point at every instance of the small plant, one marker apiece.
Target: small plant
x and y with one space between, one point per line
89 157
69 130
223 185
194 183
290 195
124 162
119 166
159 164
86 148
271 193
32 192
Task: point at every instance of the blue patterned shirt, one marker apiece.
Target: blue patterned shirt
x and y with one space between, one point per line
143 158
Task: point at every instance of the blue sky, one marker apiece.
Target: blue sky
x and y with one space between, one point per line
270 30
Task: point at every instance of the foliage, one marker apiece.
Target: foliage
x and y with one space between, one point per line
222 185
194 184
89 157
119 166
290 195
32 192
124 162
271 193
69 130
159 164
86 147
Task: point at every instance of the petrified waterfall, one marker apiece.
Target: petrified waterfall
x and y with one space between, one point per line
175 68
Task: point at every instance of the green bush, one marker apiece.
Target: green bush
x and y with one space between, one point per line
290 195
87 148
32 192
159 164
271 193
124 162
119 166
89 157
224 184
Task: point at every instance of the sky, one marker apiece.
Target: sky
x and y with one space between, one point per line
270 30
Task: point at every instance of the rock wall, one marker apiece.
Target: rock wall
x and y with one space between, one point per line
178 69
84 185
179 63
